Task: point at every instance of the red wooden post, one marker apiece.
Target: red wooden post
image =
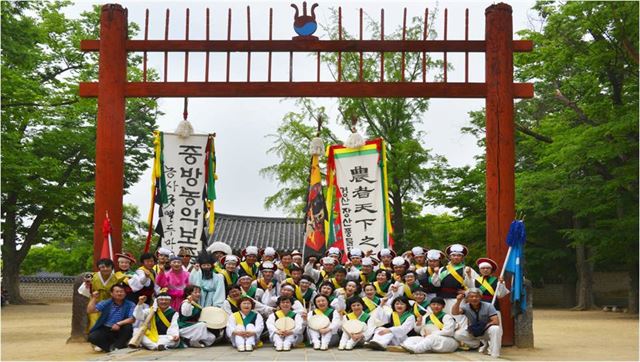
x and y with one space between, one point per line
110 125
500 142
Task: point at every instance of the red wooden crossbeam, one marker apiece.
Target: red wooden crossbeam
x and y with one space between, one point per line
472 46
306 89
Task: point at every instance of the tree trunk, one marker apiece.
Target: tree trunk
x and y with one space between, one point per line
633 289
584 286
11 279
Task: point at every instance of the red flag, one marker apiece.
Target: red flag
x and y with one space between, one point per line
107 249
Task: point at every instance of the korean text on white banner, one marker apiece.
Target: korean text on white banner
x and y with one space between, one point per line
357 197
184 174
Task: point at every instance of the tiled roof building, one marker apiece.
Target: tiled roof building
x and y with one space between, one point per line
283 234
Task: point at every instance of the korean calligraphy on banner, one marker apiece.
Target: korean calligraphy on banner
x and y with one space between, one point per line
360 212
185 174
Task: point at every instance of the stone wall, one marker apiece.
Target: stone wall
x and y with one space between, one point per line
610 288
46 289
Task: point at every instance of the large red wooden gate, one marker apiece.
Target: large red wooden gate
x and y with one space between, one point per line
499 90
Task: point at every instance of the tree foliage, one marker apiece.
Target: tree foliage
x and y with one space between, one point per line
48 132
393 119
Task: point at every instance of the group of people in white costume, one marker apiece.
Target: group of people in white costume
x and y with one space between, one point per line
421 301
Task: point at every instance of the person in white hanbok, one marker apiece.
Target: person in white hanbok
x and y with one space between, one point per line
327 336
284 340
245 326
287 291
163 330
437 333
355 311
195 332
397 324
336 302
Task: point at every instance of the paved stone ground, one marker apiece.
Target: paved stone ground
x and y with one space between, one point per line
267 353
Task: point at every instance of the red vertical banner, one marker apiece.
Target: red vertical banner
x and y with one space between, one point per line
315 213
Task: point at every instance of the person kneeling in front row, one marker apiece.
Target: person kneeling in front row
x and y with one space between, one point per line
437 332
483 322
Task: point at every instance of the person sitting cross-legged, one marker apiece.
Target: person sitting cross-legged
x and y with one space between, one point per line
245 326
191 329
282 339
483 322
437 332
113 329
163 331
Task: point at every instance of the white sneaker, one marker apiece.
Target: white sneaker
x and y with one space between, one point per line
241 348
342 346
349 346
324 347
248 348
316 345
286 347
97 349
278 346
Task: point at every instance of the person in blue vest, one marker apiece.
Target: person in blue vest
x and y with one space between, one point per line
113 329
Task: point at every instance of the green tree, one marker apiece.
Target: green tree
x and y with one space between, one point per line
586 65
393 119
74 254
577 145
48 132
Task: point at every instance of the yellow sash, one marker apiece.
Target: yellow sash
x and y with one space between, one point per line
378 289
436 321
227 276
247 269
486 285
152 274
299 295
152 331
407 291
370 304
262 284
456 276
396 319
232 302
430 271
280 314
238 317
335 283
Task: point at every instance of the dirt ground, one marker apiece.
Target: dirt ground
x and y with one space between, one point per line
39 332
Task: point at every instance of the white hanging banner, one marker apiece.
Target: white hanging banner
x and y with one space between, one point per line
361 197
184 171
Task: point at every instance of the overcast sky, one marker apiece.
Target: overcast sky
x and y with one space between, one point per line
242 124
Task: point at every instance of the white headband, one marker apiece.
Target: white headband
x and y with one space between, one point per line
484 264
